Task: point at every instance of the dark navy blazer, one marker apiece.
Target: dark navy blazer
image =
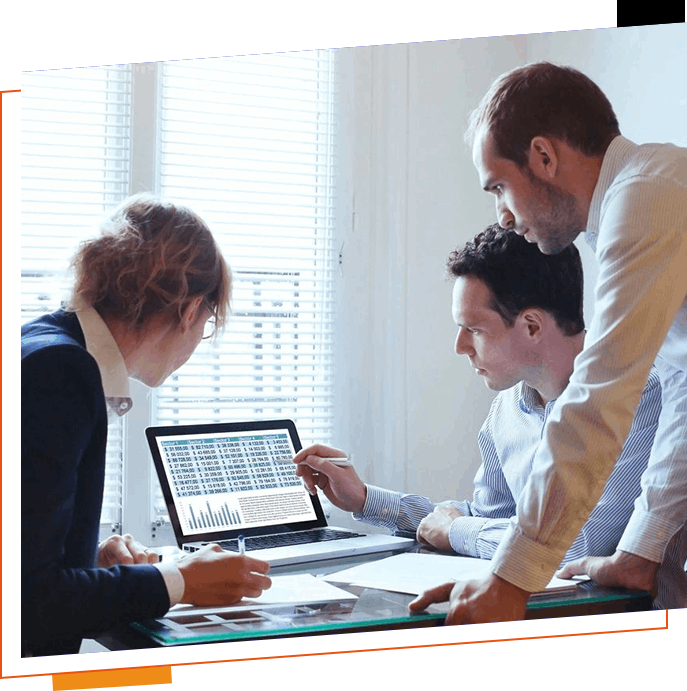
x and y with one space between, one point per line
63 439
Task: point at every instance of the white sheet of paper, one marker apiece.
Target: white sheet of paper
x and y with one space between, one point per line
285 590
414 573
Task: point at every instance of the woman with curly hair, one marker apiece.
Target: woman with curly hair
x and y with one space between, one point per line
143 295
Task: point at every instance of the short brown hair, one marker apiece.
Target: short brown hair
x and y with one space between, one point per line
153 257
544 100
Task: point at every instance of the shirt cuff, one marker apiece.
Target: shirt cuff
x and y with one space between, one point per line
525 563
173 580
382 507
647 536
463 534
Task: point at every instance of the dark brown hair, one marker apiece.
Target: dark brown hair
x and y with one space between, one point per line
544 100
520 276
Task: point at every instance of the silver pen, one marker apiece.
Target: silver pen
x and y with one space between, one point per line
340 461
242 544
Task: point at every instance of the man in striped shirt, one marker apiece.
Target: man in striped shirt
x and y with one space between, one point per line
519 319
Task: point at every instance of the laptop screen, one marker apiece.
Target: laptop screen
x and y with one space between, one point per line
225 479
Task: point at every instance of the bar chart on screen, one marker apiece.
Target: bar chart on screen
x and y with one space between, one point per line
216 515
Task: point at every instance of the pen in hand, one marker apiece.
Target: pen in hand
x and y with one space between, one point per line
340 461
242 545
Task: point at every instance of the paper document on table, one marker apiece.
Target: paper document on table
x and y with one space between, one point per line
414 573
285 590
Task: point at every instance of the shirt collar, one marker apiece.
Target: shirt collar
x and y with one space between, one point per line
619 150
528 398
102 346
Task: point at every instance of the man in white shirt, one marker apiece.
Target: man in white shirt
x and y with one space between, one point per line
546 143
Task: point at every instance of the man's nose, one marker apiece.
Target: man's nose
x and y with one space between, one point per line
462 346
505 217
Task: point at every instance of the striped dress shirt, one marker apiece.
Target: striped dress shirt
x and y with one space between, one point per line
508 441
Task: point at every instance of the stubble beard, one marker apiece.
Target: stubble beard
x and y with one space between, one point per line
561 222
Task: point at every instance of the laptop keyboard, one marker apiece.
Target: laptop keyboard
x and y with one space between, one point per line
286 539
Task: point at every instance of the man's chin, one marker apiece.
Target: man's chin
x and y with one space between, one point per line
496 386
550 248
557 244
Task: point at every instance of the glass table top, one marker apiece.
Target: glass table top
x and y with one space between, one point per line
372 609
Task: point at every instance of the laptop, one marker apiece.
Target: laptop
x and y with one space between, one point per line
223 480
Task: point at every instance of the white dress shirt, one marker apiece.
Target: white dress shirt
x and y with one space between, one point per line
637 226
102 346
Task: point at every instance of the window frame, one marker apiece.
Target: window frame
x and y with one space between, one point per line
137 470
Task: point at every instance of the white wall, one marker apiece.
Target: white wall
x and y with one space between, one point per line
410 408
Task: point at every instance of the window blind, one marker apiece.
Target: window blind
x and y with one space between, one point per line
250 143
75 168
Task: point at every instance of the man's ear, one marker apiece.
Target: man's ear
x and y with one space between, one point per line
191 313
533 321
543 158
